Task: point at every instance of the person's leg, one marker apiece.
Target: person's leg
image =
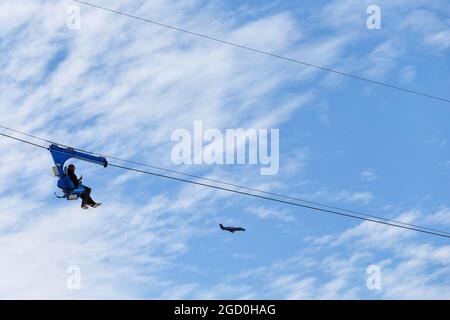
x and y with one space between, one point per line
89 200
84 200
87 191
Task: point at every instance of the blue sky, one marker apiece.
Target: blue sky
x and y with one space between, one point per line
121 87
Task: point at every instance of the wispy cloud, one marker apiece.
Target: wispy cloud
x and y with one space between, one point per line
343 196
369 175
267 213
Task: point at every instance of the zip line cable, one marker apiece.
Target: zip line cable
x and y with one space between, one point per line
440 233
26 134
269 193
221 182
266 53
373 219
24 141
229 184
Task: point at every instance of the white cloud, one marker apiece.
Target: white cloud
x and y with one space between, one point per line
441 39
267 213
437 142
369 175
408 74
353 197
343 196
441 217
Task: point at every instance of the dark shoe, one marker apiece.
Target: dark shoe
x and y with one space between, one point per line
96 205
83 206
